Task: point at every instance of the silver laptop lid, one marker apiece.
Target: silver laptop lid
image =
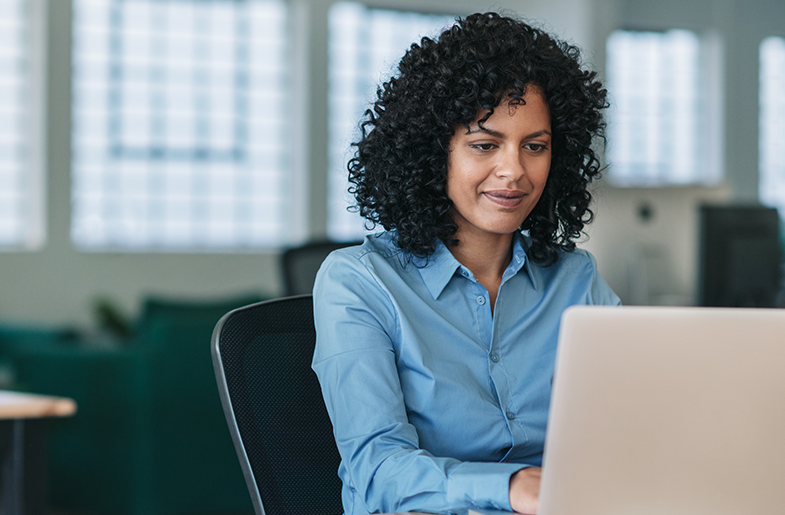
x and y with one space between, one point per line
667 411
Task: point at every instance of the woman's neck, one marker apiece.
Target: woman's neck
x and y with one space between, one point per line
487 258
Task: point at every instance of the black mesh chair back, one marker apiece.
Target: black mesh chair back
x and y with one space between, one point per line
300 264
273 404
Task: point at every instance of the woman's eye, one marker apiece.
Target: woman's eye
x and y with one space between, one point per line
536 147
483 146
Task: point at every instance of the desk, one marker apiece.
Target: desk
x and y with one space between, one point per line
23 449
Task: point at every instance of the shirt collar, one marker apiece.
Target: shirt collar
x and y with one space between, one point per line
520 245
442 266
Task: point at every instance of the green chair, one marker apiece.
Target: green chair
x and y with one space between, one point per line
149 436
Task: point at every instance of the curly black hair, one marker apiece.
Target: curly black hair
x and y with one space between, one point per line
398 174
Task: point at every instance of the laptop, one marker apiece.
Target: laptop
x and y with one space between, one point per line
677 411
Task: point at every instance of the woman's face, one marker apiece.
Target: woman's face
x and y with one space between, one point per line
496 173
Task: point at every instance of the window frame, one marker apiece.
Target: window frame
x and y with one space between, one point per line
710 118
34 160
284 233
766 176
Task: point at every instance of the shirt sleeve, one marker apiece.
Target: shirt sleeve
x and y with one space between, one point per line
355 360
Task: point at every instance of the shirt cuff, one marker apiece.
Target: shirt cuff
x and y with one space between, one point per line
484 485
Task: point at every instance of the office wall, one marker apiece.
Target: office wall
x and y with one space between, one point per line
646 241
58 284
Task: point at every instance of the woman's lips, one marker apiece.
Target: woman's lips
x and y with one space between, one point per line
505 198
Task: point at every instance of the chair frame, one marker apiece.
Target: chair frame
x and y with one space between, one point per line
314 431
226 399
226 403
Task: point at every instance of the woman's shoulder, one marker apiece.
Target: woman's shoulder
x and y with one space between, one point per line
379 245
358 275
376 254
574 261
578 259
578 269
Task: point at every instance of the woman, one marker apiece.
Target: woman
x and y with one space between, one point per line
436 338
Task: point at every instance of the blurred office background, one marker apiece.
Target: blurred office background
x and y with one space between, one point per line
172 149
175 147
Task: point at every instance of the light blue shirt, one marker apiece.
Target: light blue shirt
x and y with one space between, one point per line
436 402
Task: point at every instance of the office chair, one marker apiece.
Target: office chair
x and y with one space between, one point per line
300 264
274 408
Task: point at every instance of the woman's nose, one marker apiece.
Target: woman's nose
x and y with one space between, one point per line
511 166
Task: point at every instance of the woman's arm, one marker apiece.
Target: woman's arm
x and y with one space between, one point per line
355 360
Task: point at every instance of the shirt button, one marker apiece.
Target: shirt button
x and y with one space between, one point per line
480 300
494 357
510 415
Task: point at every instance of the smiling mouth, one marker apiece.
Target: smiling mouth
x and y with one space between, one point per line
507 199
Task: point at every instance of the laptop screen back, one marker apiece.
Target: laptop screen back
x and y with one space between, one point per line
667 411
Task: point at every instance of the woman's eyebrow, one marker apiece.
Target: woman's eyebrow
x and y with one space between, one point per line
497 134
491 132
539 133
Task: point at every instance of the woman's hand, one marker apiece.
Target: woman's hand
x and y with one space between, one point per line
525 490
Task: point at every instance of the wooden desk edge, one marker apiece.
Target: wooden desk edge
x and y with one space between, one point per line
27 405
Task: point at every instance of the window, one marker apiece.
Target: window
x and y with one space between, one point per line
20 192
658 130
772 123
365 47
179 124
